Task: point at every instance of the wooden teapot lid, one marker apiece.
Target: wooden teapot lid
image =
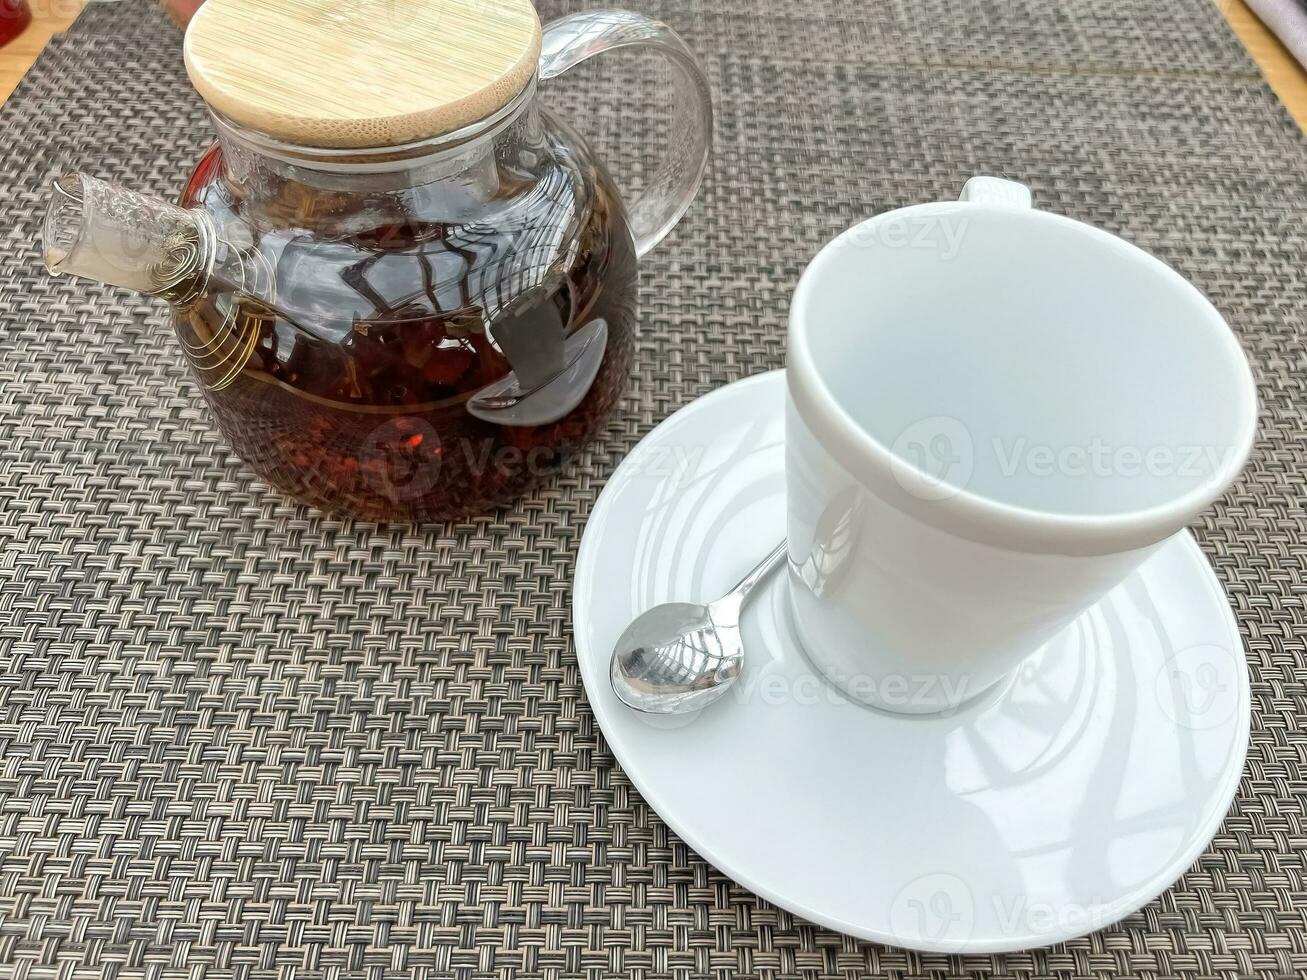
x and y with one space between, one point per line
361 73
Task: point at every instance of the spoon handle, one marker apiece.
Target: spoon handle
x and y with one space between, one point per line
764 568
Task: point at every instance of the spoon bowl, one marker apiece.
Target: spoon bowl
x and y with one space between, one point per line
675 658
683 656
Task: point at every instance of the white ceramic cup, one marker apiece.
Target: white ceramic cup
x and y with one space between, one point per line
994 415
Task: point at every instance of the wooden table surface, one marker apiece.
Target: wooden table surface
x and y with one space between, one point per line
1285 76
49 17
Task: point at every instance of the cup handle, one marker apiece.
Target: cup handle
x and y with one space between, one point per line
573 39
997 192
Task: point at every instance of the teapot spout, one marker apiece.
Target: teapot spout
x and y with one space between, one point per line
98 230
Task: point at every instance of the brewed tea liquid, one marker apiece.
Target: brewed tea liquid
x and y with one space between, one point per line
355 388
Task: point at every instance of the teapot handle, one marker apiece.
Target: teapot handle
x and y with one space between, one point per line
572 39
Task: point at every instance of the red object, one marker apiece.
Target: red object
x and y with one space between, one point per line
15 15
180 10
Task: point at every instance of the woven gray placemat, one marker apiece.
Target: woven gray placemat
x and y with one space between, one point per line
241 739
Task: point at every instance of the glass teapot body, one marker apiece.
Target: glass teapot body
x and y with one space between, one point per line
407 332
440 330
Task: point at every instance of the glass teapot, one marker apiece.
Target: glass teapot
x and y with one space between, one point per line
407 289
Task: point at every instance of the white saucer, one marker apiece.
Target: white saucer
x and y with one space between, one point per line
1051 807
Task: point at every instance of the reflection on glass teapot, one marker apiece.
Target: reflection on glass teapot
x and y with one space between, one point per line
407 289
